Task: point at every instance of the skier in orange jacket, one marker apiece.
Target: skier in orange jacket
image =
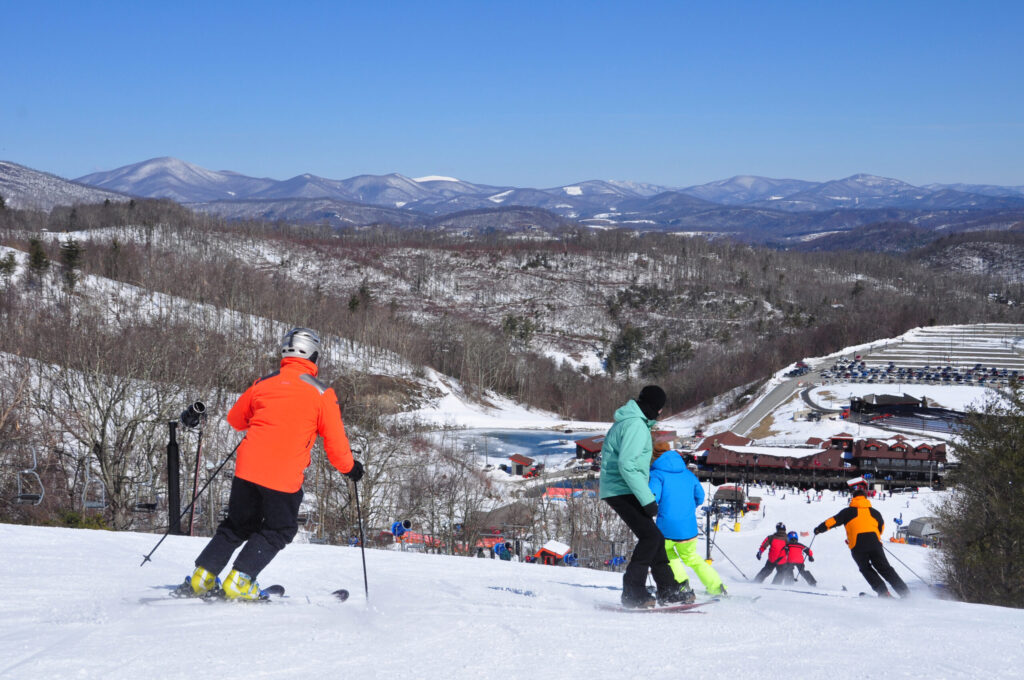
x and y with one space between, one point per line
281 414
864 526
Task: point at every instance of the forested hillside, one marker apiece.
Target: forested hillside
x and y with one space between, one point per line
116 316
536 316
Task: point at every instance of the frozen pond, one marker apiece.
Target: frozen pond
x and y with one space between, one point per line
495 446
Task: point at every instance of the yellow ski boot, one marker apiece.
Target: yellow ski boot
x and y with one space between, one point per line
239 586
202 581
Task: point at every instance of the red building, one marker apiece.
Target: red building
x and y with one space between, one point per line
728 456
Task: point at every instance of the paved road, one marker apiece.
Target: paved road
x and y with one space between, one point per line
805 394
772 401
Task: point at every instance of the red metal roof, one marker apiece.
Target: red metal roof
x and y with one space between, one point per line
520 460
726 438
591 444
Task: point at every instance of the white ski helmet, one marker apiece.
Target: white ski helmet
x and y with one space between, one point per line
301 342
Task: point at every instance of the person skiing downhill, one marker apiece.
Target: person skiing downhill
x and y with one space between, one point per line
864 527
678 493
625 472
794 559
281 415
776 545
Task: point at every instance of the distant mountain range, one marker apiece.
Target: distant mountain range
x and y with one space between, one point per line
780 211
188 183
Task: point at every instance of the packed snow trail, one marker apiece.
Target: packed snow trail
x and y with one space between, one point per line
70 609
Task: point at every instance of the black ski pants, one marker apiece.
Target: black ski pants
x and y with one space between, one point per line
785 575
767 569
875 566
263 519
649 552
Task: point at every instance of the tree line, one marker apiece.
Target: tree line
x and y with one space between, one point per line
93 373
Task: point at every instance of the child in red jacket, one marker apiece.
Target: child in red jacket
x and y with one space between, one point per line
776 545
794 551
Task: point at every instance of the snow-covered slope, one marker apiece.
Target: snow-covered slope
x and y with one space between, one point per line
25 188
71 609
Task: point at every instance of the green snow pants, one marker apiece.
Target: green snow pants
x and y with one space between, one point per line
685 553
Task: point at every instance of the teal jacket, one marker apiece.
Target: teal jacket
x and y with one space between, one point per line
626 455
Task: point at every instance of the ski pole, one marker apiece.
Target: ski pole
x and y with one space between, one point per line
730 561
362 541
197 495
908 568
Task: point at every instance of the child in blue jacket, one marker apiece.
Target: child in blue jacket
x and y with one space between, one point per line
678 493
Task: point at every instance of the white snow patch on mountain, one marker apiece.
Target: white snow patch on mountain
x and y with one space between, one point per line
435 178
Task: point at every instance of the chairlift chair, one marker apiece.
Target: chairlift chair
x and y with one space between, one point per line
94 492
307 516
30 485
145 495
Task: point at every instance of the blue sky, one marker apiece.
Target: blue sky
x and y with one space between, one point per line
530 94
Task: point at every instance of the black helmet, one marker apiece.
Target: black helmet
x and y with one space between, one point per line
780 527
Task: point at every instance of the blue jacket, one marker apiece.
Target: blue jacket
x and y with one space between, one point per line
678 492
626 455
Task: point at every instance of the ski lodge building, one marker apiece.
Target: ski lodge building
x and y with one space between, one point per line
897 461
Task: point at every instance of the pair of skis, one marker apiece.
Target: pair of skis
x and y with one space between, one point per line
664 609
271 593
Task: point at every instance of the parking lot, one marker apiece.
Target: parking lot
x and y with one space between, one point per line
986 355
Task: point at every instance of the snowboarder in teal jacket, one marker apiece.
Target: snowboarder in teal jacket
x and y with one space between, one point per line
678 493
625 472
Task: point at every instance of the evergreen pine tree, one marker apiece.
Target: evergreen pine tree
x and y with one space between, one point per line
38 262
8 265
982 526
71 258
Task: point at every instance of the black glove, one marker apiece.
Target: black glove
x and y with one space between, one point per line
356 473
758 555
820 529
651 509
811 559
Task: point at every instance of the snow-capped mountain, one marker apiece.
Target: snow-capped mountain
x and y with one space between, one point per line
24 188
748 189
177 180
856 191
449 186
980 189
395 199
864 192
330 210
440 195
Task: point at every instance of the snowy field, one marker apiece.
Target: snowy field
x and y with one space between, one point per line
71 609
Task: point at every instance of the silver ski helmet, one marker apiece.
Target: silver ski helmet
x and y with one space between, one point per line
301 342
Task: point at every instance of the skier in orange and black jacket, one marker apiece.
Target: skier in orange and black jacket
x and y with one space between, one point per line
864 526
282 414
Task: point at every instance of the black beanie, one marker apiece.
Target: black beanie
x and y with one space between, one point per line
651 400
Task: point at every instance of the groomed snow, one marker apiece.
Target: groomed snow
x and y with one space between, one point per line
71 609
